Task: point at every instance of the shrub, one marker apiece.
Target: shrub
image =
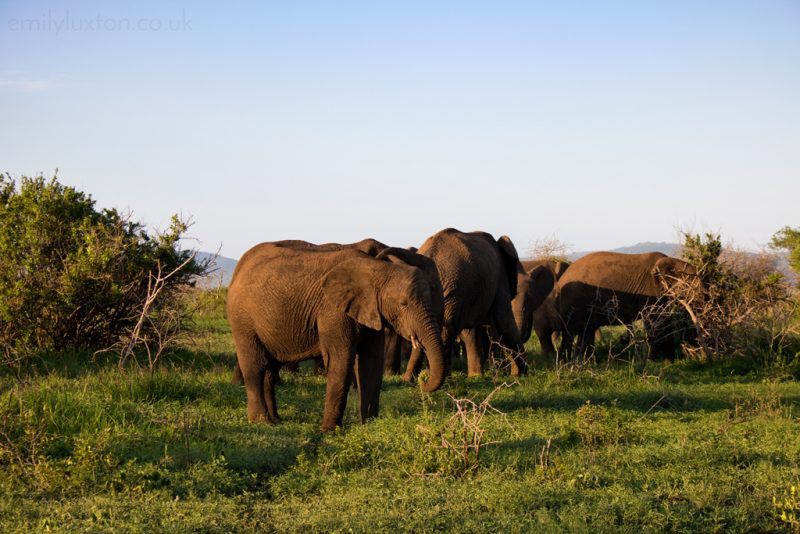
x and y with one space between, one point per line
788 239
747 309
73 276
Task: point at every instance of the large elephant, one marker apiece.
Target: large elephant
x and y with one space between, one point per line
605 288
479 278
287 305
545 320
394 344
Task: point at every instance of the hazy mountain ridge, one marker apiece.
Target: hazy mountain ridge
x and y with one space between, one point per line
221 270
223 267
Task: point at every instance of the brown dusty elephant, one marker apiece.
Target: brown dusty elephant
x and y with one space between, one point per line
394 344
368 246
479 278
545 320
286 305
606 288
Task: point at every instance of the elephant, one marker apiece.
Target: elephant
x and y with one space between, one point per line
287 304
533 287
368 246
605 288
479 278
394 344
545 320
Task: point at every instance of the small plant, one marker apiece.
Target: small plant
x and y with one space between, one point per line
501 360
462 436
788 508
598 427
544 461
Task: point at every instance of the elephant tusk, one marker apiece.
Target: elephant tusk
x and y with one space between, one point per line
414 342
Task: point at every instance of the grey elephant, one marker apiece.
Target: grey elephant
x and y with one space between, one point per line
479 278
287 305
533 287
545 320
605 288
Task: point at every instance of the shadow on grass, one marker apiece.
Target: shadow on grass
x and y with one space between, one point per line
80 363
644 401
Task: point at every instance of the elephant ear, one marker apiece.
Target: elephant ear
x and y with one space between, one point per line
349 287
508 252
543 282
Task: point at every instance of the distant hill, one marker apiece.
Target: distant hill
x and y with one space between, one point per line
222 270
670 249
223 267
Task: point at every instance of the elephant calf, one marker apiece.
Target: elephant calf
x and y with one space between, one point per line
287 305
544 320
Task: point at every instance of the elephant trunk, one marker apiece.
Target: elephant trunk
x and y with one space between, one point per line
430 338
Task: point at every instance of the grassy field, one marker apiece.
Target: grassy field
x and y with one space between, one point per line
664 447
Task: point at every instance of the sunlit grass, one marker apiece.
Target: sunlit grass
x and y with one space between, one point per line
678 447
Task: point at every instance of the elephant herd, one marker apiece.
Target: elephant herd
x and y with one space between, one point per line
358 308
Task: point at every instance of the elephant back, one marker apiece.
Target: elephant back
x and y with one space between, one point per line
613 271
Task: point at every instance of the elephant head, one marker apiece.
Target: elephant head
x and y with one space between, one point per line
426 265
374 293
532 289
679 279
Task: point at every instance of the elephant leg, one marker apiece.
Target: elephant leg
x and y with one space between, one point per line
586 346
509 337
237 379
393 353
449 346
369 373
340 371
471 339
565 348
252 358
545 336
662 342
270 381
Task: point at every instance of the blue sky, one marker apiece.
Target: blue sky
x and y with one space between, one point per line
600 123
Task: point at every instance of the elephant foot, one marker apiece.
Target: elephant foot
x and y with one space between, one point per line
265 419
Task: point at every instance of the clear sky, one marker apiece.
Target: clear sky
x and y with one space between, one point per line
602 123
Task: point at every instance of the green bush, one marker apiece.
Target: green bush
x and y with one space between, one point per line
748 310
73 276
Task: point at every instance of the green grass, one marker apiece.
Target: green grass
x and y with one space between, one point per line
662 447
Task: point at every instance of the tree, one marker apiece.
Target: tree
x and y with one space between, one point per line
788 239
73 276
